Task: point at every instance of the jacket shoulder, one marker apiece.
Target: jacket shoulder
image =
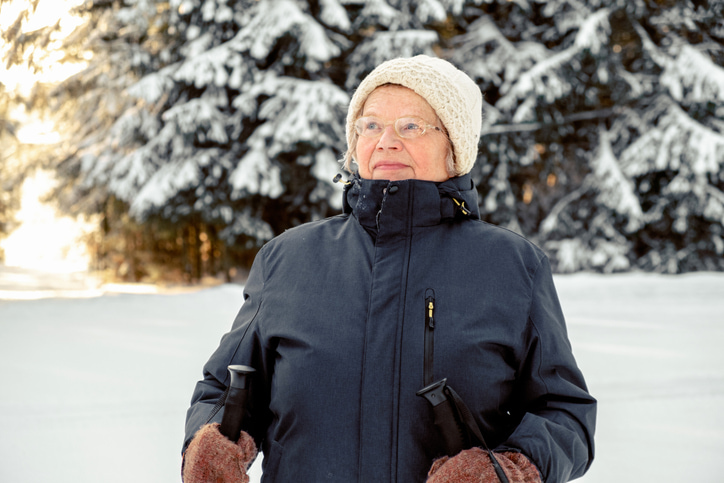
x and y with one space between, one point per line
304 238
506 240
310 229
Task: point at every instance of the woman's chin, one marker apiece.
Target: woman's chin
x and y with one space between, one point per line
393 174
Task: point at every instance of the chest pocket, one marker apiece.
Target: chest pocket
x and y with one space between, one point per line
453 419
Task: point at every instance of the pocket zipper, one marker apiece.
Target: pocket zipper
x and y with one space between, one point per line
429 340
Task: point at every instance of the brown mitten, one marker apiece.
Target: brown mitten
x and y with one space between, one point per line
474 466
212 458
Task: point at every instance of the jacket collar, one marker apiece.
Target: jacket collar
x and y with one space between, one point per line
421 203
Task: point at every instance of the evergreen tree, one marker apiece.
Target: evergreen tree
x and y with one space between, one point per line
9 178
202 128
605 121
677 159
591 222
232 131
24 48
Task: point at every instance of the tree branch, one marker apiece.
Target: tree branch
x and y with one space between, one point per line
534 126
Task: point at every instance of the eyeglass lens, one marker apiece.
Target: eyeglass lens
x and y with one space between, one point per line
406 127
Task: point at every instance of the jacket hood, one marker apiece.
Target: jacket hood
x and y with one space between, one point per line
421 203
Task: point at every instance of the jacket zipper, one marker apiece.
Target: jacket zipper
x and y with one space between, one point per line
429 340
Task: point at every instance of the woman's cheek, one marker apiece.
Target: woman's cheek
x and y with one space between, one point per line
363 154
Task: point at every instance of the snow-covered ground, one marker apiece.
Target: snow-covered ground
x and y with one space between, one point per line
95 382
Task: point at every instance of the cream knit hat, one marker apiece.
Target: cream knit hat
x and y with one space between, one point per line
453 95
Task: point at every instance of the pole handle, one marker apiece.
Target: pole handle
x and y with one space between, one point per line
445 416
236 401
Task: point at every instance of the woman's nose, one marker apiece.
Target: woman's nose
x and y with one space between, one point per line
389 139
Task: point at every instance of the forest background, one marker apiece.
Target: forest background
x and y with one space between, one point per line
190 132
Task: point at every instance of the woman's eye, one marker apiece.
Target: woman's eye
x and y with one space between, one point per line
410 127
369 125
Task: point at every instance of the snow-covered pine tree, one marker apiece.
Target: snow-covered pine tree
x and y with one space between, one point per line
223 118
578 86
233 125
121 41
11 176
10 179
677 155
587 228
26 48
544 70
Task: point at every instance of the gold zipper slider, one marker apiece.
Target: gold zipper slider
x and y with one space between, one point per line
430 311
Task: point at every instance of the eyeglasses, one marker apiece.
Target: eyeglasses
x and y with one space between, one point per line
405 127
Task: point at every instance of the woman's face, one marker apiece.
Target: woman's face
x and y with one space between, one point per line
392 157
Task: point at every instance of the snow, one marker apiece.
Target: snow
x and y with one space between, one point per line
97 379
273 20
692 76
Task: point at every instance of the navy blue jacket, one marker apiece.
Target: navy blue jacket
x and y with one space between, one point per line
334 319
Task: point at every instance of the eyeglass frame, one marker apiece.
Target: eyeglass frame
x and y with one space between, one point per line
425 126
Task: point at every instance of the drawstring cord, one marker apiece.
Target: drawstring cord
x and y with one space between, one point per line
461 205
338 179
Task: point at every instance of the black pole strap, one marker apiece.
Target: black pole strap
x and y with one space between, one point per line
467 419
219 404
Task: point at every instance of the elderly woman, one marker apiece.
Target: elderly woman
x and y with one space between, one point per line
348 318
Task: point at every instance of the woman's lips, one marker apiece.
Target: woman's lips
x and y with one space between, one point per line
389 165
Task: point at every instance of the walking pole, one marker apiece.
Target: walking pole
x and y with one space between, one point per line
235 405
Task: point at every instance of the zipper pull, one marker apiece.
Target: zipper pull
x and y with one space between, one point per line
430 312
429 337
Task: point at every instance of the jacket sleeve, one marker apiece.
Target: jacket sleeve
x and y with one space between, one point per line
239 346
558 414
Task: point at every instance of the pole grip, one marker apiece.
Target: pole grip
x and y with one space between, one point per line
236 401
444 414
450 431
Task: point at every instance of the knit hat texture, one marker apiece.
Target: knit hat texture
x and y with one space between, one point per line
453 95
